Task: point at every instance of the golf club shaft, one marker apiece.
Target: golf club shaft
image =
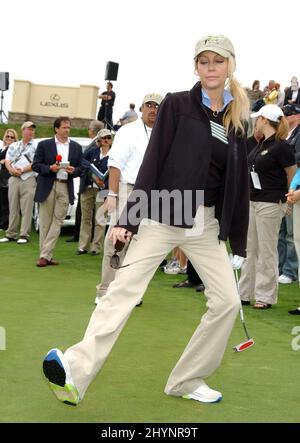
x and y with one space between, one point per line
236 274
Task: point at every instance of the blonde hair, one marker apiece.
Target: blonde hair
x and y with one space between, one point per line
237 112
13 131
281 128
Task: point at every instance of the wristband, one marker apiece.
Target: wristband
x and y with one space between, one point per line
112 194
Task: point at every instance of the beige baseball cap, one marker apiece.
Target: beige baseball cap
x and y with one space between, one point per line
153 97
216 43
28 125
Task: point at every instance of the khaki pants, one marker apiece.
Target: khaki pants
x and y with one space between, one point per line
20 197
108 273
205 350
52 213
88 204
259 276
296 228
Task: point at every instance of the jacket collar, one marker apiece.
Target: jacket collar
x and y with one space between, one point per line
268 140
200 95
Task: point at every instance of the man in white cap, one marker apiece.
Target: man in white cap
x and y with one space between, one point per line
21 185
125 158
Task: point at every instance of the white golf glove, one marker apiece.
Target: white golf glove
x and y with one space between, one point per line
236 261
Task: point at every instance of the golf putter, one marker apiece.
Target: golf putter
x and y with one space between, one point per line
249 342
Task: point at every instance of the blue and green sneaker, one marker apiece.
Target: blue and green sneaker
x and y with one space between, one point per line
57 371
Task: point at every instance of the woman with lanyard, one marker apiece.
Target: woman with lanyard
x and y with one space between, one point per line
197 143
272 166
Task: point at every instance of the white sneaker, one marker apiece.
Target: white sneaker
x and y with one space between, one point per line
22 241
97 300
171 263
284 279
5 240
204 394
176 269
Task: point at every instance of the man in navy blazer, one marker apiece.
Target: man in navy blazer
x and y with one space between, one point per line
57 161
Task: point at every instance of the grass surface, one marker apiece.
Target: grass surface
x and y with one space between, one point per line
50 307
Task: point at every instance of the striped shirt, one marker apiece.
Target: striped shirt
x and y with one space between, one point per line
218 131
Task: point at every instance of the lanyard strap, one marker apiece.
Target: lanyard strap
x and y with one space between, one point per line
146 131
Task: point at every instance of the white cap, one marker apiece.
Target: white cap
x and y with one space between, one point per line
270 112
103 133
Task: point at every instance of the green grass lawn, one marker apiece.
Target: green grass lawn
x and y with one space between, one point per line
50 307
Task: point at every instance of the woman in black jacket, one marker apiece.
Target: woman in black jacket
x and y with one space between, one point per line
191 192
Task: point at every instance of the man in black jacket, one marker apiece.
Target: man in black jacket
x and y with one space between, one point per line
57 161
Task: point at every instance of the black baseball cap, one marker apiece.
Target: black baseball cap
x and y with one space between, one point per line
291 109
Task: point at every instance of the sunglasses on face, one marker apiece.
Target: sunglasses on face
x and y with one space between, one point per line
151 105
10 136
107 137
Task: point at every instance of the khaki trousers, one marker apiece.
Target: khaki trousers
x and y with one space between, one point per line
21 201
205 350
88 204
296 228
52 213
108 273
259 275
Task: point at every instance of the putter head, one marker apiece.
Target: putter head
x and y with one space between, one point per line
244 345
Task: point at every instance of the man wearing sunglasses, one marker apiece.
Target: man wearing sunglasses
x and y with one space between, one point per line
21 185
125 158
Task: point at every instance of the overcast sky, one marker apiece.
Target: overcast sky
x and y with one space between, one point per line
69 42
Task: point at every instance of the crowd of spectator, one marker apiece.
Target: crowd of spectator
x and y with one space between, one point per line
24 166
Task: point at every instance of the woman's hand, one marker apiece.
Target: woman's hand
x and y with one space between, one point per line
120 234
293 196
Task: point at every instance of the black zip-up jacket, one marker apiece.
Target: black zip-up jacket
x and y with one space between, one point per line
178 158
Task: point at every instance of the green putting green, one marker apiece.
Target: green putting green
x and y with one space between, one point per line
50 307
